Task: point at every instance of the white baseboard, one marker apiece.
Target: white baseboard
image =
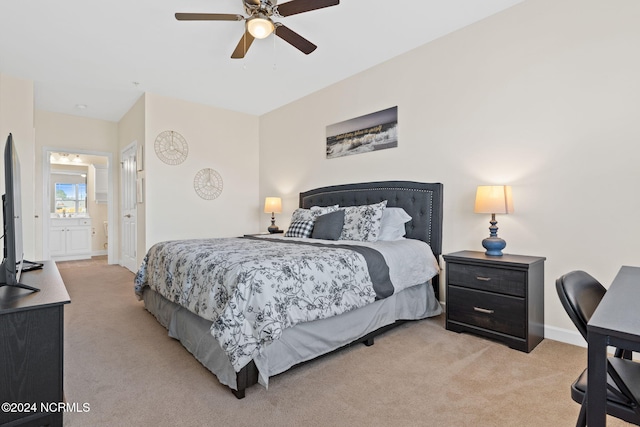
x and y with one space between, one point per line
564 335
99 253
574 338
71 257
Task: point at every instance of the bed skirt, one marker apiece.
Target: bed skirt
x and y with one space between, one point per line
303 342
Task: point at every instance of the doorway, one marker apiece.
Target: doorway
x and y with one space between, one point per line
77 195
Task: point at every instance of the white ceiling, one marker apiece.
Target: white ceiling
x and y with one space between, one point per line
92 52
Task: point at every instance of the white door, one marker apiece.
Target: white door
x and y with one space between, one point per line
57 242
128 208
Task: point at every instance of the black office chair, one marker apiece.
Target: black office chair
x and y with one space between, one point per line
580 294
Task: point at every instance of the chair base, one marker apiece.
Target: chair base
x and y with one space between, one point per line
616 406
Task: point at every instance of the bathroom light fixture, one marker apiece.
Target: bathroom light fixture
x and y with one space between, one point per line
77 159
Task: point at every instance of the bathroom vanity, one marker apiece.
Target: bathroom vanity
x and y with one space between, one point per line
70 238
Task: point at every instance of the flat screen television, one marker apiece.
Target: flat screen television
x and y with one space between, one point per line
11 267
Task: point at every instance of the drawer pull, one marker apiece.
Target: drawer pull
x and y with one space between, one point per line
484 279
483 310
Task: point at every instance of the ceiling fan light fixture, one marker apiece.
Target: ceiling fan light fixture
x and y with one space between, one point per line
260 27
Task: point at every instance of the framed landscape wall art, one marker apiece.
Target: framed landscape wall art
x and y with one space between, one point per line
375 131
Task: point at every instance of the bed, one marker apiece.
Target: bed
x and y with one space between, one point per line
354 314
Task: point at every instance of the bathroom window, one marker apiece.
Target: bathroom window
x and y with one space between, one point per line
71 198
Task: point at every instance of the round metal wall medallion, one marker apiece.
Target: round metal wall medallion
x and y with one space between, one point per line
171 147
208 184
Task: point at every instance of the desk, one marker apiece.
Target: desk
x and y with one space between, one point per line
616 322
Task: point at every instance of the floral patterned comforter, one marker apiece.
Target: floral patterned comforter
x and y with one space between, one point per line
252 289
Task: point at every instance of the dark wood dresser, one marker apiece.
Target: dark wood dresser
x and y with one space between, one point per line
498 297
31 349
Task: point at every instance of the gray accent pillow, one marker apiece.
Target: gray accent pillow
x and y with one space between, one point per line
328 226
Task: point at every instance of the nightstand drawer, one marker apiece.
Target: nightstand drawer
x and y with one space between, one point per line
498 313
510 282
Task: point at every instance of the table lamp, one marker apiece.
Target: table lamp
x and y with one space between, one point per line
273 205
493 199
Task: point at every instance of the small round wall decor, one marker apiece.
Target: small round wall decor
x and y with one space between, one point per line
171 147
208 184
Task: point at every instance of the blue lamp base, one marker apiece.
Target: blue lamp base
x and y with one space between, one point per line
273 228
494 246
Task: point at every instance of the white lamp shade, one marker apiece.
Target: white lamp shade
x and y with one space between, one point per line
272 205
493 199
260 28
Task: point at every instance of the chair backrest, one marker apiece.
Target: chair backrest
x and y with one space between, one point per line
580 293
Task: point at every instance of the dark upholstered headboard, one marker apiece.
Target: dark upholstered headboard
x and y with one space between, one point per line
423 201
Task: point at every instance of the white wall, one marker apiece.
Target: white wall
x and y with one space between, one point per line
543 96
16 117
219 139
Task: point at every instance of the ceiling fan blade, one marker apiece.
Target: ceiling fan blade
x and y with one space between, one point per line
299 6
208 17
243 46
295 39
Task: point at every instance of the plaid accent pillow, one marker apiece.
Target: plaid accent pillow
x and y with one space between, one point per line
300 229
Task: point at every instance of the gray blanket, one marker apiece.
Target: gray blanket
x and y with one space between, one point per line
376 264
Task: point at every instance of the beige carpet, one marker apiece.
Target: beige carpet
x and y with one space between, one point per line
121 362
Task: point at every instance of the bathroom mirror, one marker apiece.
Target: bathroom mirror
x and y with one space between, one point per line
69 192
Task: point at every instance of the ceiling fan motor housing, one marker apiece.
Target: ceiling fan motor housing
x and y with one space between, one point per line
266 7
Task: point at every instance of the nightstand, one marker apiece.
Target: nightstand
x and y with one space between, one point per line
266 233
498 297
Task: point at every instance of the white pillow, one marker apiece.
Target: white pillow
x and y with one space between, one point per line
392 226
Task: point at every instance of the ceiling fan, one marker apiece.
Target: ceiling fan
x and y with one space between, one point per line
259 23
